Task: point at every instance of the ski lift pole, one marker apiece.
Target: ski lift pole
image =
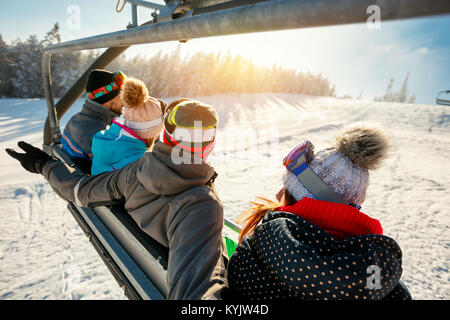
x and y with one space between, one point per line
52 131
134 9
145 4
134 17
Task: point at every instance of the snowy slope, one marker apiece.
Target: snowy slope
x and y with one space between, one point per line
45 255
43 252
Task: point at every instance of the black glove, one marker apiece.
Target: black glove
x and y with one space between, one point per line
33 159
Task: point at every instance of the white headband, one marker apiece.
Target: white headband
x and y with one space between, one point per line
193 135
143 125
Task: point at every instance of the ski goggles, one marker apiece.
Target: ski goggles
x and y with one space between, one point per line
297 163
197 148
118 80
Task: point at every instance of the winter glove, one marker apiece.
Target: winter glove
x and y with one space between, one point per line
33 160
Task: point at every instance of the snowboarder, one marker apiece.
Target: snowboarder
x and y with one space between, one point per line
314 243
174 202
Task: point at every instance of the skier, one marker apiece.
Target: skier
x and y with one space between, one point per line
314 243
170 196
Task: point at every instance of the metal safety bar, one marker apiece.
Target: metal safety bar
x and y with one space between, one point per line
233 226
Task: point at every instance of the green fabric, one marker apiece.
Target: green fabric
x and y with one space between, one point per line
231 246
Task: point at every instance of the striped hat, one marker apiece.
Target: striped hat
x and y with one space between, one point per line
191 125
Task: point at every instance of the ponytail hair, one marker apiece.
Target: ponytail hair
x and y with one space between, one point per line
253 216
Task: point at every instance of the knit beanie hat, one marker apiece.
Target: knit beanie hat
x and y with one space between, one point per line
191 125
344 167
142 113
101 78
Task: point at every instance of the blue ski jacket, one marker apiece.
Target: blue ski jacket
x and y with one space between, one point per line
115 148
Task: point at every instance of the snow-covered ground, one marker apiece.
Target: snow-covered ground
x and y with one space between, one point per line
45 255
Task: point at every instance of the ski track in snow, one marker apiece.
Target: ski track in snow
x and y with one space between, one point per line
45 255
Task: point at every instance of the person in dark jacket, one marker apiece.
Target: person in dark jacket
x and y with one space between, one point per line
169 192
314 242
102 105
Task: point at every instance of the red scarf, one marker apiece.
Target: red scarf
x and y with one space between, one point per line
340 220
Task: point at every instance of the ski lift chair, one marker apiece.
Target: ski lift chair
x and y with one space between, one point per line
443 98
138 262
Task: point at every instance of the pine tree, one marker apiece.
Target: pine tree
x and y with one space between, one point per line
165 75
412 98
25 75
401 96
360 96
52 36
172 73
332 92
388 95
403 93
4 68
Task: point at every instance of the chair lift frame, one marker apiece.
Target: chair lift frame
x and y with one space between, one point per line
136 261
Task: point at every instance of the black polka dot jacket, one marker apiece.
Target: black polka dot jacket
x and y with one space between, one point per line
287 257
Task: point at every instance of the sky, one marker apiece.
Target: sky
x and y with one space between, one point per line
358 60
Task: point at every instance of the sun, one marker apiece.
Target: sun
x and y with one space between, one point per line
262 48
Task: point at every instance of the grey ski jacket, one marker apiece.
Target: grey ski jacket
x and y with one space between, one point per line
175 204
81 128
